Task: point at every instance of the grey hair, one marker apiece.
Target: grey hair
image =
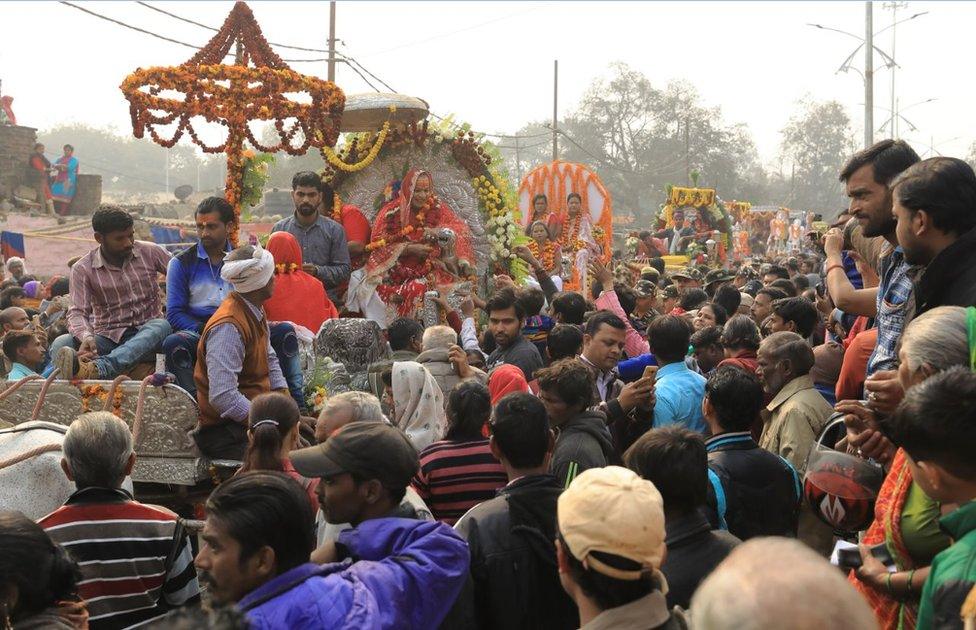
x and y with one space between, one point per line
97 448
742 594
789 346
937 338
439 337
364 407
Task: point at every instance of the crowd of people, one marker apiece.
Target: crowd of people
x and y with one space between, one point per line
667 448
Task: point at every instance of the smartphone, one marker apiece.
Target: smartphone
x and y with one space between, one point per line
650 372
850 558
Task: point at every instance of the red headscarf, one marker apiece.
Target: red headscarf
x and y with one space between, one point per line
506 379
298 297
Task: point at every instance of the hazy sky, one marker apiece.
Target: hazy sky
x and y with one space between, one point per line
491 62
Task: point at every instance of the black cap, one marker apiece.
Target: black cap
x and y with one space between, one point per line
368 450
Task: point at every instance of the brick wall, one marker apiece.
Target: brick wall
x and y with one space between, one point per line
16 145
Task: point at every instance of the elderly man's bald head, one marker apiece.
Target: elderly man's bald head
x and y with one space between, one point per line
772 583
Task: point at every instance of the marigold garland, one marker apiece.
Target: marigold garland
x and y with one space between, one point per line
408 228
232 96
332 158
547 256
286 267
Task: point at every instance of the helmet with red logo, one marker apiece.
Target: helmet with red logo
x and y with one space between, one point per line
841 488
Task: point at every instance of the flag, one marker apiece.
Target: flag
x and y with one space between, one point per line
12 244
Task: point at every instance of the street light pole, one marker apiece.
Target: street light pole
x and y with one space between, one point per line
332 41
868 75
555 110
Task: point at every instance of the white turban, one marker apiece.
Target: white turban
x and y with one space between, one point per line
249 274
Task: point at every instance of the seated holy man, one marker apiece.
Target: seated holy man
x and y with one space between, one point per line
418 245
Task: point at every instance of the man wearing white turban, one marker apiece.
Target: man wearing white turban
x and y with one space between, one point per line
235 360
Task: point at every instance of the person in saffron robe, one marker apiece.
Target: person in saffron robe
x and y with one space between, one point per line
39 177
298 297
65 181
407 255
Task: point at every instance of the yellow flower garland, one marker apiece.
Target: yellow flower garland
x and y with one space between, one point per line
333 159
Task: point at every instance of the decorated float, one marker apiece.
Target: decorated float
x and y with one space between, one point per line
469 223
699 225
577 210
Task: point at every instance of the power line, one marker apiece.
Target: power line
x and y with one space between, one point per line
162 37
210 28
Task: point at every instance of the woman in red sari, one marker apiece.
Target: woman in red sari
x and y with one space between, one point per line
406 259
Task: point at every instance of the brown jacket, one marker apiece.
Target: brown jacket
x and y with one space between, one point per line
254 378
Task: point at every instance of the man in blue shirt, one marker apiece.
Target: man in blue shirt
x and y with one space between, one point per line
679 391
194 290
325 250
24 353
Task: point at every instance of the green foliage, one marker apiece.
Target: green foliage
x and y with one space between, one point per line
816 142
253 180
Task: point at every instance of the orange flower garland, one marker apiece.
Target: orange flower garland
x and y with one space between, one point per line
547 256
407 229
232 96
286 267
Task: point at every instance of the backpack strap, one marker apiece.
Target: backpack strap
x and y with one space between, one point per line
721 505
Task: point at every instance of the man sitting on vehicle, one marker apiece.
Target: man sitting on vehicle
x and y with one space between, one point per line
235 359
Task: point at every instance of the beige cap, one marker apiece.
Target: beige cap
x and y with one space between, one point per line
746 300
613 511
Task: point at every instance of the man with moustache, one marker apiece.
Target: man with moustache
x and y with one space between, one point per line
324 246
868 176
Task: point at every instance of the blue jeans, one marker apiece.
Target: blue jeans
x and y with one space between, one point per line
180 349
137 345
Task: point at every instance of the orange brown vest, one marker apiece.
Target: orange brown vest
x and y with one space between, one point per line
254 378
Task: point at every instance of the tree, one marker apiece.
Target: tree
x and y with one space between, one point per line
640 138
971 158
816 142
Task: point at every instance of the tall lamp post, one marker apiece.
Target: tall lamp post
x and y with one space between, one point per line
867 42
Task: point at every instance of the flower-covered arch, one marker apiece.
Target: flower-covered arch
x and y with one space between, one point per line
257 86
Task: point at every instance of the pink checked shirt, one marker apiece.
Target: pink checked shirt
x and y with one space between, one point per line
106 300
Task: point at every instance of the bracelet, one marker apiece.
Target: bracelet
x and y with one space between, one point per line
911 576
832 267
888 582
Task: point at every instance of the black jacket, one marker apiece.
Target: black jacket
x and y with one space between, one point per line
950 279
513 559
752 491
582 443
694 550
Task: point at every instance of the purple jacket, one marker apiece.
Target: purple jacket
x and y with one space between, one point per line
407 574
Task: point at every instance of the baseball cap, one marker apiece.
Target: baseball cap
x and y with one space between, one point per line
368 450
719 275
671 291
645 288
746 300
613 511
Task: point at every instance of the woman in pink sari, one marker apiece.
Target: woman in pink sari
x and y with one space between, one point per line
406 258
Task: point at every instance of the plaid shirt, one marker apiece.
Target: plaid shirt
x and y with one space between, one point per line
894 302
107 300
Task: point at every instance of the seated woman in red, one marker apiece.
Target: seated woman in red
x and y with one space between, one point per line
298 297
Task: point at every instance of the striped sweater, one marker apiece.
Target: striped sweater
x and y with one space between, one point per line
135 566
456 476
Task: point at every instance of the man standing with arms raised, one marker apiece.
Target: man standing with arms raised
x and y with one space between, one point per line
324 246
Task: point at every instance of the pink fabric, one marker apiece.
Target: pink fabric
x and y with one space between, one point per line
634 345
107 300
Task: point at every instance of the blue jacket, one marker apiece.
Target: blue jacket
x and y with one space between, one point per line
194 289
401 573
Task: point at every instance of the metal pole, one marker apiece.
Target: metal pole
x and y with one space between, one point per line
868 75
894 108
687 153
518 162
332 41
555 113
